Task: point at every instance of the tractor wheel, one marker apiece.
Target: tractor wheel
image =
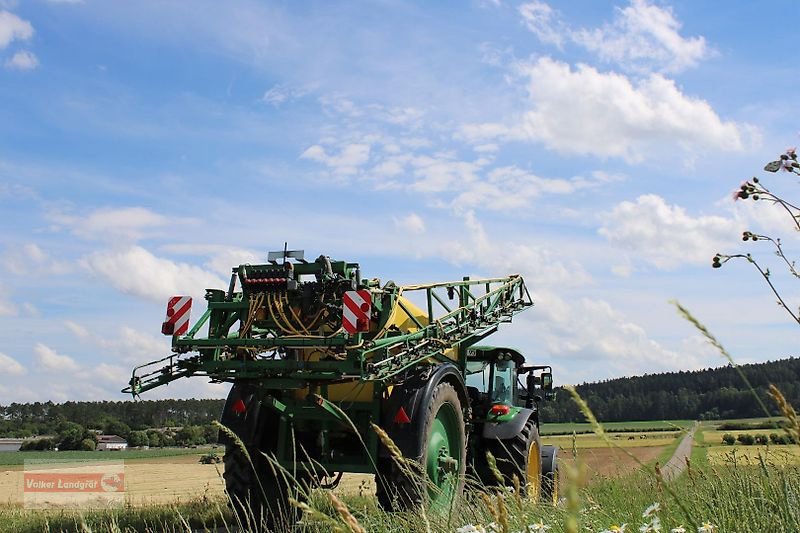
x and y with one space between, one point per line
258 493
550 474
520 456
439 479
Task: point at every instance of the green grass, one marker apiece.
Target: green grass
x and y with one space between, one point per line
19 458
616 427
733 499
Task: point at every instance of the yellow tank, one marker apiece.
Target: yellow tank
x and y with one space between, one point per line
399 320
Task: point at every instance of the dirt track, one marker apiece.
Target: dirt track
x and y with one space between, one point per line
677 463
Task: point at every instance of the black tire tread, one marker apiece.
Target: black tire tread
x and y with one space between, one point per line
511 455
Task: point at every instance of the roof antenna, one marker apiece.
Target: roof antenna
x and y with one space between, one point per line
285 252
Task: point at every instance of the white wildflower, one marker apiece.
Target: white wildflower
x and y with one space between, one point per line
707 527
538 527
650 511
615 529
679 529
469 528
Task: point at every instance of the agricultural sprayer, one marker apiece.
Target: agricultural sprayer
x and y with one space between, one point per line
333 372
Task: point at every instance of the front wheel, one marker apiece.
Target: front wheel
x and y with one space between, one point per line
520 457
550 474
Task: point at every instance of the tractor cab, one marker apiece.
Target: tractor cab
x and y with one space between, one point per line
499 382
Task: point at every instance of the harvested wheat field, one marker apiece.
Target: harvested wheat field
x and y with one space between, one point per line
182 478
147 481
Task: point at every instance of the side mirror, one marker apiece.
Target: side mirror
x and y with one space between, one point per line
547 385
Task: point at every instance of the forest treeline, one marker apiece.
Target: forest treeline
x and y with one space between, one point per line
48 418
703 394
710 394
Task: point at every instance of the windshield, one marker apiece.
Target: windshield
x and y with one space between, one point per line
503 387
478 375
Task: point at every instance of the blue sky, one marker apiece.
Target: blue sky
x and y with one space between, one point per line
146 147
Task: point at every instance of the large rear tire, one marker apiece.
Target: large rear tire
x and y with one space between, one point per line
520 457
439 480
259 493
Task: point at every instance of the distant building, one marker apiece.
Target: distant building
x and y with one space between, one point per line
111 442
10 445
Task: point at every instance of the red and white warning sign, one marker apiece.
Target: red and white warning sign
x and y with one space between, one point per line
356 310
178 311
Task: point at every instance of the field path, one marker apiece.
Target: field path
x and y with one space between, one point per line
677 462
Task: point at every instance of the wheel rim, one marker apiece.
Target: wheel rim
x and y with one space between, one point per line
534 473
443 456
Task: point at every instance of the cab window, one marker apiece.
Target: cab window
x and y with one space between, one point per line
503 386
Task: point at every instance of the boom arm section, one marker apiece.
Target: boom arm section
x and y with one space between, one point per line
290 332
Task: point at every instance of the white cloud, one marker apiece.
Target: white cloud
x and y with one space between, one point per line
220 258
665 235
51 361
280 94
23 60
128 344
111 374
13 28
134 270
587 112
31 259
348 161
127 223
542 20
411 223
591 330
512 188
442 173
643 37
77 330
540 266
11 366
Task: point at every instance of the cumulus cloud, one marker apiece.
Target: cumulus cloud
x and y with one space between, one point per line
219 258
643 37
11 366
134 270
23 60
665 235
587 112
13 28
51 361
591 330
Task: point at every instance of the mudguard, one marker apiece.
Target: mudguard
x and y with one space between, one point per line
549 459
507 430
412 395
